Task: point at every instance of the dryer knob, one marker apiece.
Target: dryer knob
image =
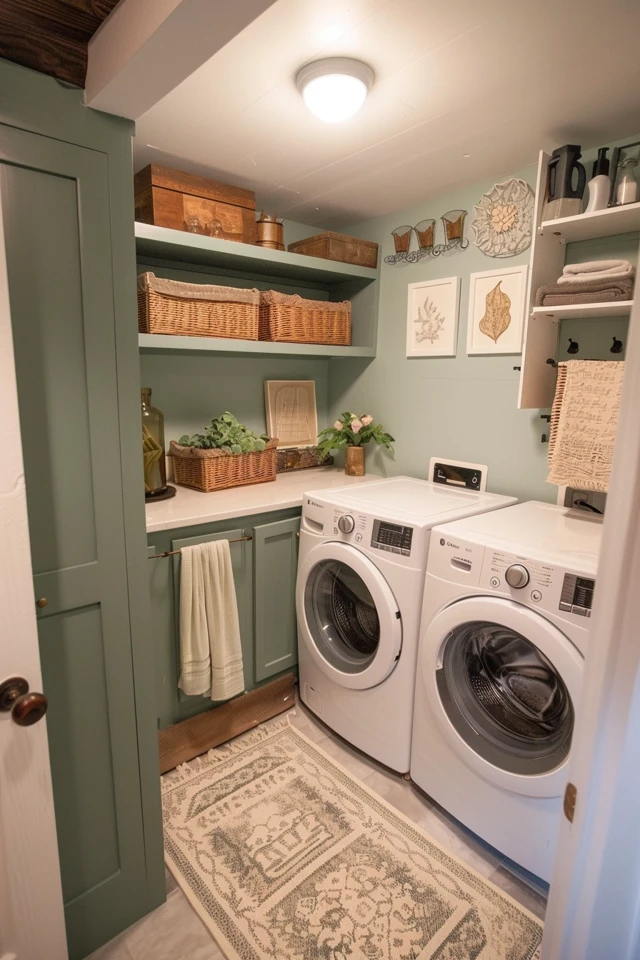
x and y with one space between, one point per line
346 523
517 576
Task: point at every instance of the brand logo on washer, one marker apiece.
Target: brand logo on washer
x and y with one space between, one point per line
454 546
312 503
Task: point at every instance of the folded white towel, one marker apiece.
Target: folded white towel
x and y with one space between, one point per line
596 270
210 647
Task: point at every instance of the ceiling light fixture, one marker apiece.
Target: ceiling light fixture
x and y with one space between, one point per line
334 89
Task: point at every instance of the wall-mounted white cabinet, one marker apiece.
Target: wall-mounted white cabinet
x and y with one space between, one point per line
548 250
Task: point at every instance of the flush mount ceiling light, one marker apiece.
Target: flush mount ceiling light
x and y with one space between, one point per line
334 89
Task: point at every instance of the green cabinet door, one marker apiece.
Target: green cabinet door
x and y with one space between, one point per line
275 562
55 198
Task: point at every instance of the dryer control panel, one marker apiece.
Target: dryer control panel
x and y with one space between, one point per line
392 537
525 579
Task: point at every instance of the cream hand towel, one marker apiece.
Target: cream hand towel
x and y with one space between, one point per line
210 647
195 654
576 273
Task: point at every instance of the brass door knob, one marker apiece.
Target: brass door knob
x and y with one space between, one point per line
26 708
42 602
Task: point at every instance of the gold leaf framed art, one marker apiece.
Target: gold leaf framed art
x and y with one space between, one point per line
496 311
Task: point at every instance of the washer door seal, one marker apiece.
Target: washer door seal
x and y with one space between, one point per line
348 617
503 682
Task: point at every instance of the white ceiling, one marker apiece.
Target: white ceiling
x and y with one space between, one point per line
465 90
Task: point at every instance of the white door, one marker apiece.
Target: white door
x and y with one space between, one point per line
31 912
348 617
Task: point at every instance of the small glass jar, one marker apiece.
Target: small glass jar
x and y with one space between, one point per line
193 225
215 229
155 470
627 188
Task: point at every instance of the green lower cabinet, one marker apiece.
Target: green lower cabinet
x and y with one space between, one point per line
275 548
264 569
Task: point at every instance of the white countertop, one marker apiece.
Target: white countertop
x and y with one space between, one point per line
191 507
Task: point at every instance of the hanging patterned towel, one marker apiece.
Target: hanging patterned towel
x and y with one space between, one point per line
210 648
584 423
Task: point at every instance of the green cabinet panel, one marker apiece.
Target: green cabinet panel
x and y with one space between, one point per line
174 705
57 220
276 559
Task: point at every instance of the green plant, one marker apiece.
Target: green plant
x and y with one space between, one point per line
351 431
226 434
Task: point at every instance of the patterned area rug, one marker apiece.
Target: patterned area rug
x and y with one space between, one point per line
285 855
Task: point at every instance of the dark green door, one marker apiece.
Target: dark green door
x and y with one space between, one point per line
56 217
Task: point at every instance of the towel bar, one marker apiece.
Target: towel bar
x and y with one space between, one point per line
172 553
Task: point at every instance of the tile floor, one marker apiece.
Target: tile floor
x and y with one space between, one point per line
174 932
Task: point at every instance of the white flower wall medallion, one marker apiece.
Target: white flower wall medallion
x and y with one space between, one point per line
503 219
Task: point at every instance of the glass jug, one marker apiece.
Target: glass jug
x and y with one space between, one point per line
155 471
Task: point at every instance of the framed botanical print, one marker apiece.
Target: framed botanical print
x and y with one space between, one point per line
432 318
496 311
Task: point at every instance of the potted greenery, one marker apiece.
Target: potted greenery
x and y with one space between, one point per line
227 454
351 433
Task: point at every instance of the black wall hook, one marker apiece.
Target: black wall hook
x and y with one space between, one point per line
616 346
573 347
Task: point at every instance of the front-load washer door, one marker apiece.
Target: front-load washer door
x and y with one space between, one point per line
504 681
348 616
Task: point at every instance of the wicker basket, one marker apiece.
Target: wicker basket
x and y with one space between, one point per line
293 319
209 470
196 310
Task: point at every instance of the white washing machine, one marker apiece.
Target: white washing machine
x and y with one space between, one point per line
505 629
361 569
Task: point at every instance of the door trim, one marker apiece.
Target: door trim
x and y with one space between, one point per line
537 630
388 652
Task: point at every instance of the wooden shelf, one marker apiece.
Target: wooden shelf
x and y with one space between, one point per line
585 311
160 243
157 343
600 223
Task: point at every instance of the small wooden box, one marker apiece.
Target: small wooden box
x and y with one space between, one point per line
336 246
167 198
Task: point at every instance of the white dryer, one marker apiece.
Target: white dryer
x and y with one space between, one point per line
361 570
505 630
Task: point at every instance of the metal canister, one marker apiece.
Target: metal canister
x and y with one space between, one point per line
270 232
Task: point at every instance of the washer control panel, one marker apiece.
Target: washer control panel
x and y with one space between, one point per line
392 537
577 595
526 579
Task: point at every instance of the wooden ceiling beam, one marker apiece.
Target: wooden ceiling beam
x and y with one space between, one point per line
51 36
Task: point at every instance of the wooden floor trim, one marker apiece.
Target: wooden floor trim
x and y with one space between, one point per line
188 739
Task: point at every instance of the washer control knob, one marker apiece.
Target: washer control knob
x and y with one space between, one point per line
517 576
347 524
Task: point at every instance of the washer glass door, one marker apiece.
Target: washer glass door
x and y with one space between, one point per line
342 616
348 617
505 698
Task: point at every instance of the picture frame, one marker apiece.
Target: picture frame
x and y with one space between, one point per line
291 412
432 317
495 323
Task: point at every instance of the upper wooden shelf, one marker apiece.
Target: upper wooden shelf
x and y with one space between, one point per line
158 343
600 223
160 243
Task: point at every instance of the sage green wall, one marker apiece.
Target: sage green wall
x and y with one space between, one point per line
463 407
191 389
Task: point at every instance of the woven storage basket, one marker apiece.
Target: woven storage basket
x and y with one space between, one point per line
196 310
293 319
209 470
